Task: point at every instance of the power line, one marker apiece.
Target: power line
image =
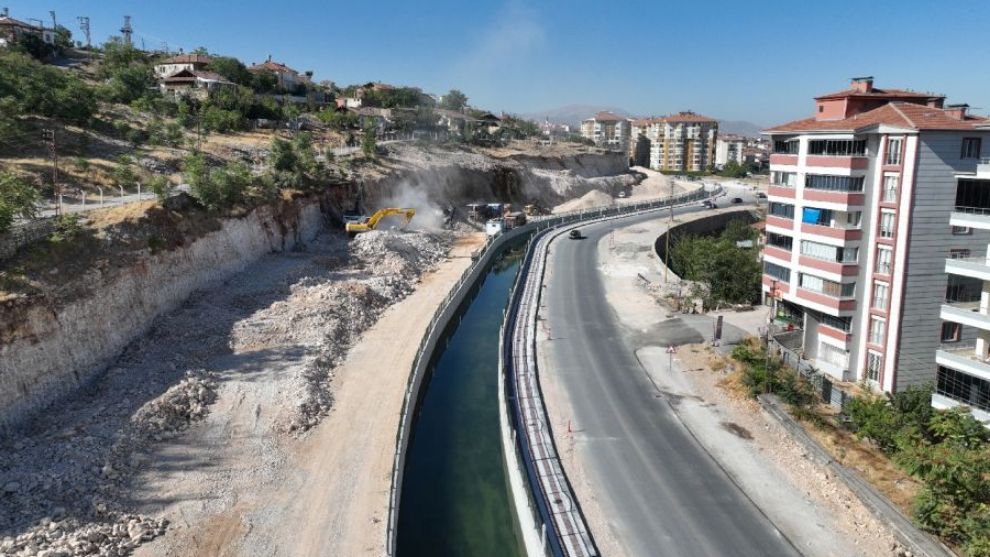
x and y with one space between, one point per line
84 25
49 136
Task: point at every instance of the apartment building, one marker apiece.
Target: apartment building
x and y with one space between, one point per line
683 142
962 373
858 229
639 143
608 130
730 148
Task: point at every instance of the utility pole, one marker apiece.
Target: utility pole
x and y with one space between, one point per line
127 30
49 137
84 26
773 303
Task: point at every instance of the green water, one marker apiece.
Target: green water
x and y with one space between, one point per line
455 499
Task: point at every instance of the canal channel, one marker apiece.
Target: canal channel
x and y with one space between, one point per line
456 498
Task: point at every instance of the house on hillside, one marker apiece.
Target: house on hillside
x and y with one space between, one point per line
489 123
191 62
288 78
195 84
11 29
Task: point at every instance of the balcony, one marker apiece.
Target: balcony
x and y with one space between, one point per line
965 313
825 302
845 268
782 159
972 267
780 191
847 234
838 197
780 222
983 169
971 217
961 356
850 162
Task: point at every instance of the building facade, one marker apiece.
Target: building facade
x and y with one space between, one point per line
11 29
858 229
608 130
639 143
962 373
175 64
682 142
730 148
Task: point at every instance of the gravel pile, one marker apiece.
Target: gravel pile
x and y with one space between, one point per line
590 200
271 336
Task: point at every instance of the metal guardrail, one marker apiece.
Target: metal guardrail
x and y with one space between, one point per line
437 324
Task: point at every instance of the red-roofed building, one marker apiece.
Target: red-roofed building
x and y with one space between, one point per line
287 77
11 29
175 64
607 130
858 231
682 142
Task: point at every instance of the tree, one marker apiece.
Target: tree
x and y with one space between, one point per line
283 157
733 169
454 100
63 37
44 90
18 198
369 143
232 69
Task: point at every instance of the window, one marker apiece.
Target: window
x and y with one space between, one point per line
884 258
833 355
779 241
827 287
786 146
961 231
877 329
893 151
833 183
821 217
973 196
951 332
880 290
826 252
971 147
874 363
787 179
843 324
776 271
967 389
890 187
853 218
958 253
887 224
837 147
821 108
782 210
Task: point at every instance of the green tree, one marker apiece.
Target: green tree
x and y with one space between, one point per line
33 46
369 143
18 198
29 87
232 69
733 169
283 157
63 37
454 100
123 173
160 186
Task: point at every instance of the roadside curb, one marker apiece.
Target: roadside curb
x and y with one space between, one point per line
917 541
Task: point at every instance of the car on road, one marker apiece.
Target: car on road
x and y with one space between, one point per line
710 203
737 200
761 195
575 234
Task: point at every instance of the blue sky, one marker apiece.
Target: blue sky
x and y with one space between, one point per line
759 60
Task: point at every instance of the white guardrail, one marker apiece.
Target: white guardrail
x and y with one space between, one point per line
448 308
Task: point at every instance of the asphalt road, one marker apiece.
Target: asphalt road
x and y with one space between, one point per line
665 496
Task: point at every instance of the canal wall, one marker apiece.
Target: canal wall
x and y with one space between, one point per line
703 225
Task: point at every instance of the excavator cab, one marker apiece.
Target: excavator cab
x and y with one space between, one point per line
364 224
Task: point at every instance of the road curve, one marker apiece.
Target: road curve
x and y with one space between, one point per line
664 495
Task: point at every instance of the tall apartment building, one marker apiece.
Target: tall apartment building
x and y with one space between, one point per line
858 229
639 143
608 130
962 375
683 142
730 148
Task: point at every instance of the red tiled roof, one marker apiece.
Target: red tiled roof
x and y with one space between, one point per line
896 114
607 117
893 93
687 116
272 66
11 22
187 59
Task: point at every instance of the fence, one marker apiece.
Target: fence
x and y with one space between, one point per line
447 309
782 344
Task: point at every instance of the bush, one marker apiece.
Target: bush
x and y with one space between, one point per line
947 450
758 377
160 185
67 227
217 188
29 87
18 198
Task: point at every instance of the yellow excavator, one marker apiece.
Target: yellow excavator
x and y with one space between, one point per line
364 224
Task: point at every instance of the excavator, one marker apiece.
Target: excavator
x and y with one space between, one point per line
364 224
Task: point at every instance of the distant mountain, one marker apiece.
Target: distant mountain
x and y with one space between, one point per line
572 114
739 127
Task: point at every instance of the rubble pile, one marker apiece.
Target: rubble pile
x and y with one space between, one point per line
69 536
403 254
178 407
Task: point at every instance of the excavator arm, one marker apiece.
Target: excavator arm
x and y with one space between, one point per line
371 223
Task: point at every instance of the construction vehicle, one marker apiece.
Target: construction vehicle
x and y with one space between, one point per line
364 224
535 210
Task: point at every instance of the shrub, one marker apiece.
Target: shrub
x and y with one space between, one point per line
160 185
67 227
18 198
217 188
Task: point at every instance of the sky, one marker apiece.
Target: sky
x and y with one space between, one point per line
761 61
